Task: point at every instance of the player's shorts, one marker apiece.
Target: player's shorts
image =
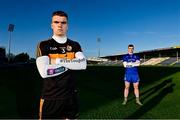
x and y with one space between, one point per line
59 109
133 78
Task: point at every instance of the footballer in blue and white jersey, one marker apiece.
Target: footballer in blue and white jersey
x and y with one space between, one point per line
130 62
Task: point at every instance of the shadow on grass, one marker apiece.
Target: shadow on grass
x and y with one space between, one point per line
163 89
100 85
24 82
153 89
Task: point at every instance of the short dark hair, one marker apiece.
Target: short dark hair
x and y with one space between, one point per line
60 13
131 45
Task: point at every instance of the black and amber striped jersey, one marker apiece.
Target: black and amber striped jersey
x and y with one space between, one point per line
63 85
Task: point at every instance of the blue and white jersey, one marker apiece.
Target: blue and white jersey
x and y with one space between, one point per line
131 60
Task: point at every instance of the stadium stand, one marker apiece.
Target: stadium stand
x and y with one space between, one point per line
177 63
161 56
96 60
155 61
112 63
169 61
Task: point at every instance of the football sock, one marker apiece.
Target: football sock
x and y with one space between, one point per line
138 101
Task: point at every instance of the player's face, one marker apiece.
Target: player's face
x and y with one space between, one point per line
59 25
130 49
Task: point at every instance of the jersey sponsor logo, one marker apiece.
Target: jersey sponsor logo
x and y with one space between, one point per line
72 61
55 71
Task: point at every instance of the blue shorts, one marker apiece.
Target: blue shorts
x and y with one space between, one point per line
131 78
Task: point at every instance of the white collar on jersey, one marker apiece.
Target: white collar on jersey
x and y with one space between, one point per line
130 53
60 39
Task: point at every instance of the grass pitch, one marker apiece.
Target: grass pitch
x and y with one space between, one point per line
100 93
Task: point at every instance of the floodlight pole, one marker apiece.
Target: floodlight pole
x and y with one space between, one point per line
10 29
177 56
144 57
98 41
9 46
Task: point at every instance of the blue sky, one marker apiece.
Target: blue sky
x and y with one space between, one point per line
148 24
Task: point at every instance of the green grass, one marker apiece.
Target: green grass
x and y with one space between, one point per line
8 104
20 92
100 93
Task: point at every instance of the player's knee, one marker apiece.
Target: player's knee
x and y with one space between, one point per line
135 87
127 87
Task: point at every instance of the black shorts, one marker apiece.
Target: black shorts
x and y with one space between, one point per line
59 109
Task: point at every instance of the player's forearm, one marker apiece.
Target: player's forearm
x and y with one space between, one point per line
127 64
74 64
46 70
78 63
137 63
124 64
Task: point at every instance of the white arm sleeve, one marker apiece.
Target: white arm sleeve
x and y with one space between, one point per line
78 63
46 70
127 64
124 63
137 63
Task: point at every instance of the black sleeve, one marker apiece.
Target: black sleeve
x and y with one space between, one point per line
77 47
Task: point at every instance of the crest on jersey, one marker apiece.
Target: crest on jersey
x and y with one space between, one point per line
69 48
